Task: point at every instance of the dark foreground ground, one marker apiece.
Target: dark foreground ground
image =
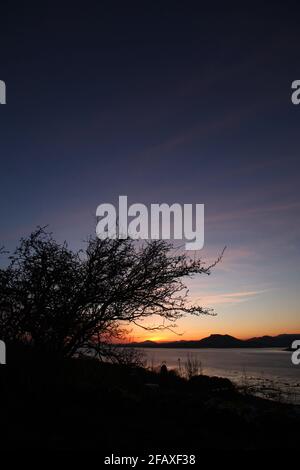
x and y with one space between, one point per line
82 404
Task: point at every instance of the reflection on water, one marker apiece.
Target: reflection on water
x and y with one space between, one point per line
268 372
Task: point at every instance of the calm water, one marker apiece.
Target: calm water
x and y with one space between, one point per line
267 370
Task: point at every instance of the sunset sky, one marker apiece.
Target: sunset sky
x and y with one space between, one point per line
162 104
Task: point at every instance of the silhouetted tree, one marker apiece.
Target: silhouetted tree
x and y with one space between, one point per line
61 302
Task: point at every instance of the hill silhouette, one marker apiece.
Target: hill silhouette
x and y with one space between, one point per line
224 341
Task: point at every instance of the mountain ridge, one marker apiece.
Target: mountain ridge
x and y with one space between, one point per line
283 340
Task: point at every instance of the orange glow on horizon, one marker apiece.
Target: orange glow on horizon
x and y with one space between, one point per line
162 337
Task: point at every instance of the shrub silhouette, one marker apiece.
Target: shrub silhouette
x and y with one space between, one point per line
60 302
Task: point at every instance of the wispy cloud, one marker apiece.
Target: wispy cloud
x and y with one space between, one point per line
211 300
252 211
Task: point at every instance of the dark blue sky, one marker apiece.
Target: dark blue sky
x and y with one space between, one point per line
172 102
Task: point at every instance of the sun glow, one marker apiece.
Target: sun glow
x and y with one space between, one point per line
157 338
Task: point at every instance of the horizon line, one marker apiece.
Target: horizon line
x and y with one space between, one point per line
212 334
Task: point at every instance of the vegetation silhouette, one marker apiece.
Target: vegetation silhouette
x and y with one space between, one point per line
61 303
57 304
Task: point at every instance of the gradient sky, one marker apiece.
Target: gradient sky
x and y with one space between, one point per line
171 102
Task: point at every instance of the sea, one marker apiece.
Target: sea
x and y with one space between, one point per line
266 372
